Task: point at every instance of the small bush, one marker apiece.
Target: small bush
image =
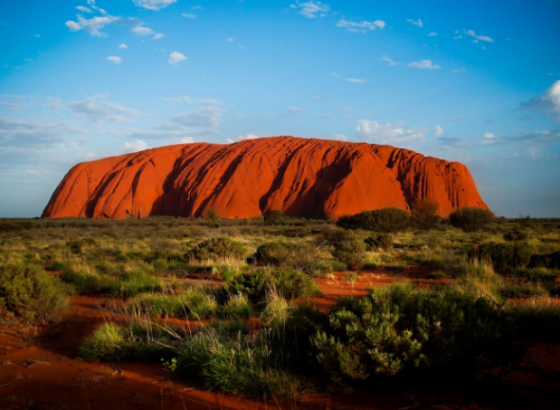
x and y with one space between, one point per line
402 330
107 342
287 283
551 261
195 302
515 235
217 248
505 257
425 213
379 241
212 216
350 253
237 306
380 220
273 217
471 219
26 292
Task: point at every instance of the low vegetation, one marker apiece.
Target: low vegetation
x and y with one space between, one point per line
241 294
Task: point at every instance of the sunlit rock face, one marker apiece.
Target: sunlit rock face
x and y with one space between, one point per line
298 176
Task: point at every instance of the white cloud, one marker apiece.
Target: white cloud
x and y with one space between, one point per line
83 9
123 46
312 9
143 31
390 134
115 59
293 111
91 3
432 34
547 102
424 64
154 4
229 40
471 33
97 112
458 71
418 23
361 26
176 57
137 145
93 25
187 140
349 80
340 137
390 62
202 117
229 141
189 15
158 36
248 137
489 138
439 130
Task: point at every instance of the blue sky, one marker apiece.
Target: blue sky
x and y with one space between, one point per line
470 81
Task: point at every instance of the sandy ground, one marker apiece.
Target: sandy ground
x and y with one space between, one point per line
40 368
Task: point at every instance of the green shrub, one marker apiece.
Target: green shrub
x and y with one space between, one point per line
217 248
505 257
287 283
350 253
237 306
515 235
302 256
551 261
402 330
212 215
195 302
26 292
108 342
380 220
273 217
425 213
536 274
471 219
379 241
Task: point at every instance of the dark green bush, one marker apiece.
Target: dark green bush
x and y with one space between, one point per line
379 241
402 330
217 248
515 235
287 283
425 213
551 261
380 220
505 257
350 253
471 219
273 217
26 292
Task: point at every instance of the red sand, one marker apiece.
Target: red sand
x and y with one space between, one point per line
298 176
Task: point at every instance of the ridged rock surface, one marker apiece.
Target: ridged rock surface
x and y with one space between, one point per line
299 176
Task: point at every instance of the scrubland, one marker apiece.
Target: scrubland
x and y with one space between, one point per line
231 304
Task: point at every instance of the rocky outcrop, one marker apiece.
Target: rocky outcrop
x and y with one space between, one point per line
299 176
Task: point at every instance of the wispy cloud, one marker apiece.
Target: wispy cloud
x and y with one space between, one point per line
83 9
312 9
390 62
471 33
175 58
361 26
189 15
349 79
432 34
548 102
114 59
424 64
439 131
123 46
97 112
230 40
459 70
93 25
135 146
418 23
202 117
390 134
146 31
154 4
293 111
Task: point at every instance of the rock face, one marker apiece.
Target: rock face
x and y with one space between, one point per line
298 176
